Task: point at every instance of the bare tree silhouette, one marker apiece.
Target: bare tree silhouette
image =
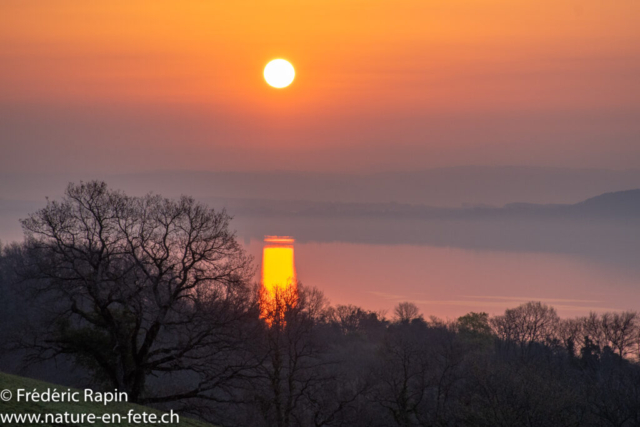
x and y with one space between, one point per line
139 286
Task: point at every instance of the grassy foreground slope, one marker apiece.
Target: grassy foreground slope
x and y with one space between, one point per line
13 383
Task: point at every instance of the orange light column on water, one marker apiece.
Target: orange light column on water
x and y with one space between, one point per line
278 267
279 282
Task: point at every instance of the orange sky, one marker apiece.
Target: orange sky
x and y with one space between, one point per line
391 84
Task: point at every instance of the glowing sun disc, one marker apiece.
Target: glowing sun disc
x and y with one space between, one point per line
279 73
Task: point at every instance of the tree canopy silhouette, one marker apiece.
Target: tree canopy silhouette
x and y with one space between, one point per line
139 286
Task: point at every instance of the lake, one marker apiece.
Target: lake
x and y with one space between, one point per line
582 268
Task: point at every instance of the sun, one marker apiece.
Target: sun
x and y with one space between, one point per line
279 73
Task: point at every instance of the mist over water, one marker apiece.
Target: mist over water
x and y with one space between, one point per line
360 248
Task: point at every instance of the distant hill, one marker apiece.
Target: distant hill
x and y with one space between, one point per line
626 203
617 204
605 226
441 187
609 205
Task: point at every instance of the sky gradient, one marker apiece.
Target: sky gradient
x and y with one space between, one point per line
155 85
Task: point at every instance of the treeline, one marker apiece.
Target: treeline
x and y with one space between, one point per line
153 296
